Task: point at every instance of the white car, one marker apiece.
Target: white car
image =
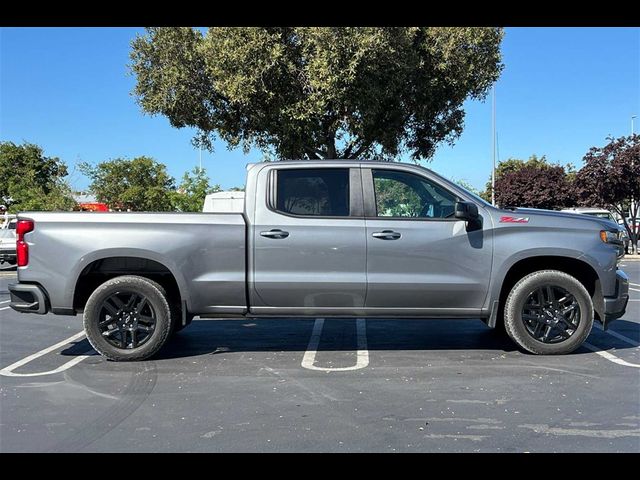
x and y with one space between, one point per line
602 213
8 242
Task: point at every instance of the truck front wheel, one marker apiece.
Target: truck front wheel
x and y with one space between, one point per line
548 312
127 318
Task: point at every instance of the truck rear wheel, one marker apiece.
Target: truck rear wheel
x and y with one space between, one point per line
128 318
176 311
548 312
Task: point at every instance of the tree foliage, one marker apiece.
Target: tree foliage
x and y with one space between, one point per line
610 178
190 195
397 199
511 165
533 183
29 180
141 184
311 92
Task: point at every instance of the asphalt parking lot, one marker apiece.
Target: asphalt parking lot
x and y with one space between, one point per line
313 385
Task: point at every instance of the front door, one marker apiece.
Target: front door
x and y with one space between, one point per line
309 242
420 259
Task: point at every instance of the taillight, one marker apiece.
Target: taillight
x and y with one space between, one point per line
22 249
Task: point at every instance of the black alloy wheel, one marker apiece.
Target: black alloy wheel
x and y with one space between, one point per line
551 314
126 319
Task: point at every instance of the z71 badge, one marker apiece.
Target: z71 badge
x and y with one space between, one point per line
514 219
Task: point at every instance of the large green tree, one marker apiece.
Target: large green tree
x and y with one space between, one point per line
140 184
29 180
190 195
312 92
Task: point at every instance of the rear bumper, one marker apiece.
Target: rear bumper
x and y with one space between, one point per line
28 298
615 306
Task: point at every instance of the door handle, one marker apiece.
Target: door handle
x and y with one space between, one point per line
386 235
275 233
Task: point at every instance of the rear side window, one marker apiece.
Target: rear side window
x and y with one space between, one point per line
313 192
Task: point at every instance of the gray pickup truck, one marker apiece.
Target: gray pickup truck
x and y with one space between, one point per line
325 238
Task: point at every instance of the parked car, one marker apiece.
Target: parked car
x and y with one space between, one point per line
8 241
594 211
602 213
630 223
325 238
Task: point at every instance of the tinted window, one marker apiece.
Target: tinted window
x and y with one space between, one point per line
401 194
317 192
608 216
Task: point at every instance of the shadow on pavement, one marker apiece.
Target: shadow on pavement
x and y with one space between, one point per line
214 337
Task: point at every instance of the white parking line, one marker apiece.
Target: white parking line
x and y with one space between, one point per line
5 301
635 289
362 355
609 356
8 371
5 308
634 284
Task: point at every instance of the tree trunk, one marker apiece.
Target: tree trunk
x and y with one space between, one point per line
331 146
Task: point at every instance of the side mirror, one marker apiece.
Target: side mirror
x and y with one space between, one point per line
466 211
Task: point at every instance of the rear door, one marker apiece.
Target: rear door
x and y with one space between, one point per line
309 241
420 259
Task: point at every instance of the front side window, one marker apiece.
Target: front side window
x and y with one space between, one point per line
313 192
402 194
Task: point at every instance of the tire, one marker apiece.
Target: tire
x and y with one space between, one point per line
176 311
525 316
98 320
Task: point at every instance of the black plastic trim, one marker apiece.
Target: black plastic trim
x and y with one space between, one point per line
28 298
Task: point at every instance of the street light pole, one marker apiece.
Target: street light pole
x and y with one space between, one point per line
493 136
633 200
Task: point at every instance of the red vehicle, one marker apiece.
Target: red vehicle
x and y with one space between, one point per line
93 207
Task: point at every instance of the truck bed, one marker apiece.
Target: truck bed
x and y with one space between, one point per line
205 252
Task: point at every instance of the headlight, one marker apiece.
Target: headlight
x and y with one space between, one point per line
610 237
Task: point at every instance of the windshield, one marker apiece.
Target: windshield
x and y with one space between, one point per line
475 196
606 215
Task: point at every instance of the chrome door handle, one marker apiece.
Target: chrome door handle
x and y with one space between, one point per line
275 233
386 235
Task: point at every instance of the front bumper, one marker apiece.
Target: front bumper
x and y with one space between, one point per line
28 298
615 306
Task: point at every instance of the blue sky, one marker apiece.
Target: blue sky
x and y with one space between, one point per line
562 91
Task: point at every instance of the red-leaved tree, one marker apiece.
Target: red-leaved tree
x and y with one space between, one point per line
536 185
610 178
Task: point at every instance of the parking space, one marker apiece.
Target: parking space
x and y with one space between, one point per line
318 385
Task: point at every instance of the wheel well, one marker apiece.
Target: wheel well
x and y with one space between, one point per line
576 268
99 271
